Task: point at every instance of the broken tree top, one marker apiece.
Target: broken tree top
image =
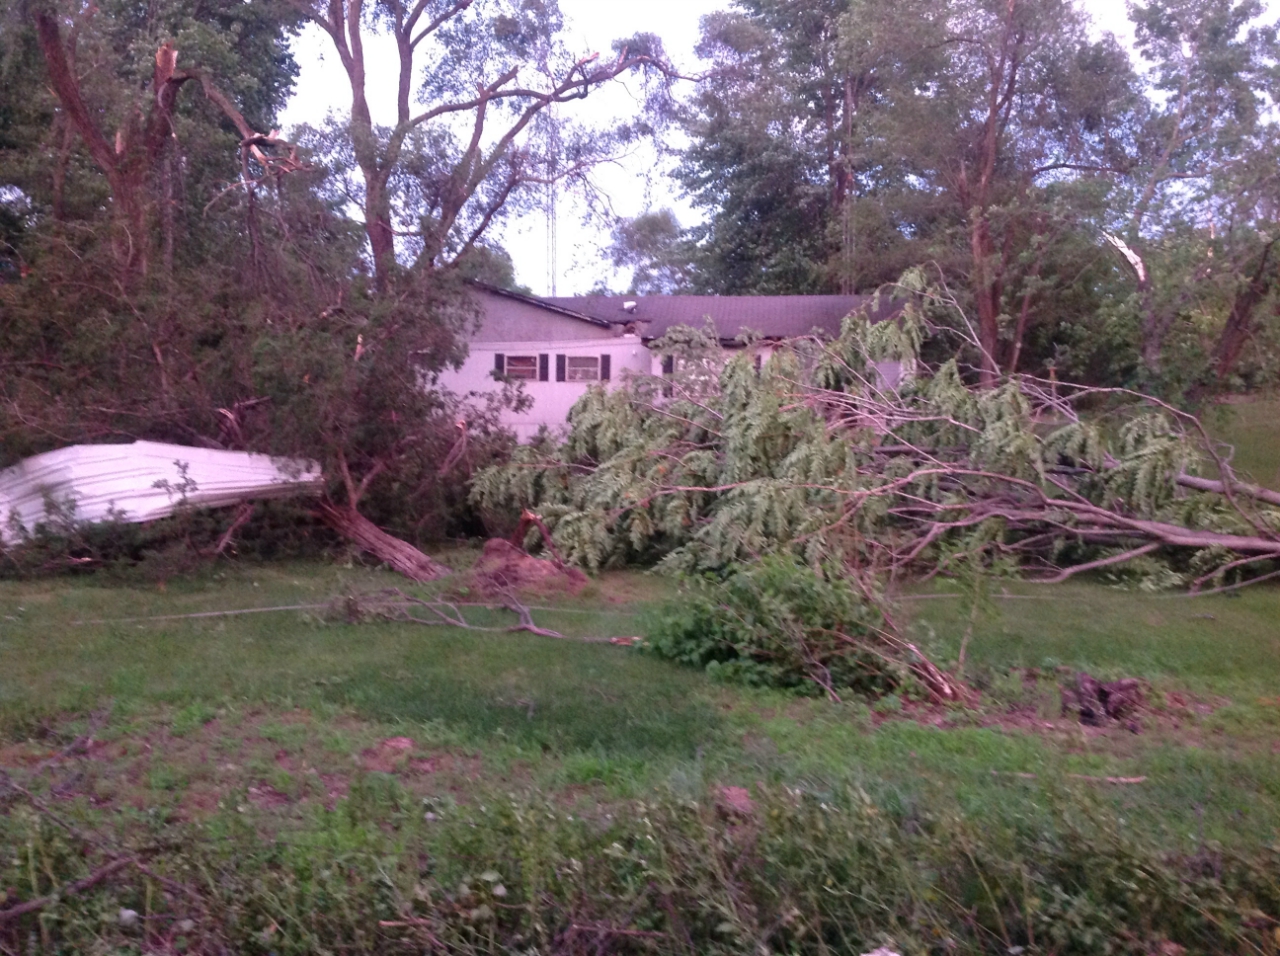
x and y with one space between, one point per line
140 482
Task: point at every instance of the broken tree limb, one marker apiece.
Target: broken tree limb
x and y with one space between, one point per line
940 685
243 514
526 619
399 555
1219 487
71 889
528 518
1075 569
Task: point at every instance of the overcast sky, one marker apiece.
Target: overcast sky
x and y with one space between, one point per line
630 186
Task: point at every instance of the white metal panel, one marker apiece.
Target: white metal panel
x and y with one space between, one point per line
143 481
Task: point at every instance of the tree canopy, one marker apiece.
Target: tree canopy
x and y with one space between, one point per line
1103 211
178 268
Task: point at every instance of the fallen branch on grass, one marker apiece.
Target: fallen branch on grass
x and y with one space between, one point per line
395 606
813 456
71 889
117 860
1118 781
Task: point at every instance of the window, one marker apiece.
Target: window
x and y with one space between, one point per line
522 366
583 368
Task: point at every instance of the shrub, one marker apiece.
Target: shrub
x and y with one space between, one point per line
164 549
778 623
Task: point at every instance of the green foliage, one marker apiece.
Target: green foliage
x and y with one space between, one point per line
808 456
779 624
157 551
650 245
800 871
835 144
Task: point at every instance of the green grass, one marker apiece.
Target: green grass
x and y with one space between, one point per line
1250 428
483 686
319 774
272 742
515 710
1220 644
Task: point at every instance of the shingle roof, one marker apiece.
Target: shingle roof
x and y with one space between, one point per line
773 316
553 305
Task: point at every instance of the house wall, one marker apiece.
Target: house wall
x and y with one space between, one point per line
512 328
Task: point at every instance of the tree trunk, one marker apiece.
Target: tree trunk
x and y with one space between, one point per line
132 232
1154 326
986 294
400 555
377 218
1241 323
167 217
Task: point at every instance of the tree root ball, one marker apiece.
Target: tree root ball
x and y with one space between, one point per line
1094 702
504 567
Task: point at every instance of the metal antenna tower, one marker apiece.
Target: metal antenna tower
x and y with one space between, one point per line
552 142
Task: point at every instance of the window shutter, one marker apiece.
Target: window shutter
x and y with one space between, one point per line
543 370
499 364
668 365
606 367
559 368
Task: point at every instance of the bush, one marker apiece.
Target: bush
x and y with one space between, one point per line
778 623
161 550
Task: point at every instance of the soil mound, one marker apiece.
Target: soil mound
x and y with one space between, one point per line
504 567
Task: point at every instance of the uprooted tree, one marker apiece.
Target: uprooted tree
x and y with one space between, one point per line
812 455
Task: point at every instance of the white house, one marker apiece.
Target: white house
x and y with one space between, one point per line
560 347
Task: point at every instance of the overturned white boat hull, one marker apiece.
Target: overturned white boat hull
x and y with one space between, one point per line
140 482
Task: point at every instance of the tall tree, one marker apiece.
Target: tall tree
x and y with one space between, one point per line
472 79
779 145
652 245
836 145
1198 225
1021 111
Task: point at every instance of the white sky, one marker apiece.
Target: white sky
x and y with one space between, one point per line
632 185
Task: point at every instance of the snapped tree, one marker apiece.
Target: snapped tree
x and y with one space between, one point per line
261 329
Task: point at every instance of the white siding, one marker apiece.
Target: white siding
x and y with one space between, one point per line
551 399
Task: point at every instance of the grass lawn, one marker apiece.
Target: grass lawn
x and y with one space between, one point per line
192 707
286 717
1248 426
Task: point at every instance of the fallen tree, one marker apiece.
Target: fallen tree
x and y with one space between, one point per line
812 455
